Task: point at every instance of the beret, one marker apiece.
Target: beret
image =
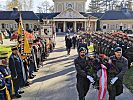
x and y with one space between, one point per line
82 49
117 49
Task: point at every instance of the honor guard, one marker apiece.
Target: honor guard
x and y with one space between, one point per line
17 71
6 72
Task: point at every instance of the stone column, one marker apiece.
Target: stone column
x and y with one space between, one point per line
75 26
95 26
64 27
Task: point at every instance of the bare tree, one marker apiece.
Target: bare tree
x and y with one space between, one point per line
12 3
45 7
95 6
25 5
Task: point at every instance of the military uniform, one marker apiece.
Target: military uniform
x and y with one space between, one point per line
7 75
121 66
17 71
129 54
83 83
2 88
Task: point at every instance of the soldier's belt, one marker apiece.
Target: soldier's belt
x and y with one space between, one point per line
3 88
7 77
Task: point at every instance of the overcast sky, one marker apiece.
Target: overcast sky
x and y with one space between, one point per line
35 4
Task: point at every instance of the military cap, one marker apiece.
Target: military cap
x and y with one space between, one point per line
3 56
125 38
82 49
117 49
14 48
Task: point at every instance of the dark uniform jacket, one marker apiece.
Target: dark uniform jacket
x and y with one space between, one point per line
69 43
6 72
121 65
80 65
2 90
15 66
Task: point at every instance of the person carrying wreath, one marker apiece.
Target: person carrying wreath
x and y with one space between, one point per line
83 80
121 64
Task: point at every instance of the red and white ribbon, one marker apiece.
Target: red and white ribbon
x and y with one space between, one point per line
102 83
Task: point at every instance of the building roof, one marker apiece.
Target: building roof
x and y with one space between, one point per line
12 15
52 15
47 15
117 15
96 14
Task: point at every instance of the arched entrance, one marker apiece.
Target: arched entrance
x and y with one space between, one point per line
70 26
60 27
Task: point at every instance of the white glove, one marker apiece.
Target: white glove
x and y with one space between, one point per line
114 80
99 73
90 78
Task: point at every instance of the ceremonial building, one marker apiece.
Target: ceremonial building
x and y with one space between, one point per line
69 15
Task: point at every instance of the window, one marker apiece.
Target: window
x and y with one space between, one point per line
124 26
112 27
108 26
128 26
3 25
30 26
11 26
104 26
15 26
7 26
117 27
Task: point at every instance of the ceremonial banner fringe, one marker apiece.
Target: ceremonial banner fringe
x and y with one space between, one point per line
102 83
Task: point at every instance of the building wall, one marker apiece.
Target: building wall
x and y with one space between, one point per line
115 25
61 5
11 24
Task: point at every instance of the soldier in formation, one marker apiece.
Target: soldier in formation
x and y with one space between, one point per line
20 69
105 43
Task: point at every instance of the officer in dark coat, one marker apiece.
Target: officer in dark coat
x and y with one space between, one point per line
17 71
83 44
74 40
121 64
6 72
68 44
83 80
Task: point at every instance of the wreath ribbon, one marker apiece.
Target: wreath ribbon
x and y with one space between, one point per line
102 83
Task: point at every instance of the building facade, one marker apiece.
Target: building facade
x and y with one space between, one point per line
70 15
7 20
117 20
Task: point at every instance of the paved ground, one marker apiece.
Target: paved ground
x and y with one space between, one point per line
56 79
8 42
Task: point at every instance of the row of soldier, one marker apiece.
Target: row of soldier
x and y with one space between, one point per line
16 71
105 43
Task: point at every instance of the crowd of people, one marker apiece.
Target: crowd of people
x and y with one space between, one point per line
106 43
17 70
118 47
